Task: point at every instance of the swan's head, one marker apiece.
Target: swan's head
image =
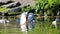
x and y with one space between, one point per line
25 13
54 22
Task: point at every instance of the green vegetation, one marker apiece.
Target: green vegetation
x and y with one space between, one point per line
47 7
3 9
50 7
25 8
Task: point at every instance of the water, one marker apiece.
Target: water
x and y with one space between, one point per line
41 27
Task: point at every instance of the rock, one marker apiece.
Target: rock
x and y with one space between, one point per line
11 4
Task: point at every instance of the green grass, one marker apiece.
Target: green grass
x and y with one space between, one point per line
40 28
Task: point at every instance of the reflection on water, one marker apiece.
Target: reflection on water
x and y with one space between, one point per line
43 23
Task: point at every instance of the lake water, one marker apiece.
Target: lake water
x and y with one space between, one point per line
43 24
